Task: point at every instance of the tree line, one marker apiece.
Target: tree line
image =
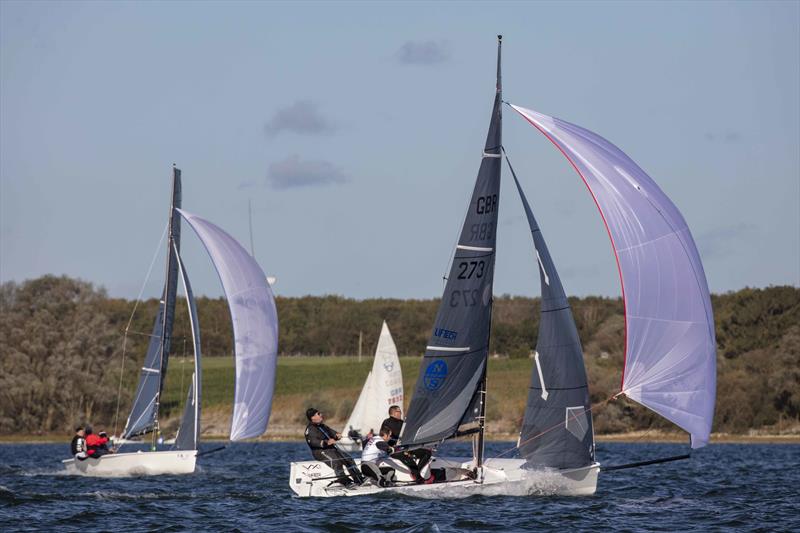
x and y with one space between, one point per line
61 343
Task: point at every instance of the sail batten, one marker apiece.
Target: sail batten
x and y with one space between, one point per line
670 346
255 327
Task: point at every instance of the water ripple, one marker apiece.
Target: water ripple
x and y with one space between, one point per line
244 488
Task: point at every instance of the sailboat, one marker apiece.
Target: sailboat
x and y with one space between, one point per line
382 389
255 330
670 347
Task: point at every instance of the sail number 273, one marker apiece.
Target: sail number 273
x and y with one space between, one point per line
469 268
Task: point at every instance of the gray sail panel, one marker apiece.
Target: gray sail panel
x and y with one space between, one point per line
189 430
557 426
454 363
151 379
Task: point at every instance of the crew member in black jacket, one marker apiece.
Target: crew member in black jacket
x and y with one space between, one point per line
417 459
322 441
78 445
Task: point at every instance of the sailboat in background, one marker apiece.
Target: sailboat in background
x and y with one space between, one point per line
670 348
382 389
255 330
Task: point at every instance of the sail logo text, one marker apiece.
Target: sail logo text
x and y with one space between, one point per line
445 333
435 375
486 204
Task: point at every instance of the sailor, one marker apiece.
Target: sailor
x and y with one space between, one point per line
394 423
322 441
375 458
78 444
96 444
417 460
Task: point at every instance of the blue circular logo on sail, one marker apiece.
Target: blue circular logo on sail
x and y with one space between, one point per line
435 375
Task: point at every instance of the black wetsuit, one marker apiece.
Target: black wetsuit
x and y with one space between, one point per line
78 446
316 437
415 459
395 425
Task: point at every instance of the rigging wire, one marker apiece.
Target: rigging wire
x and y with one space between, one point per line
130 321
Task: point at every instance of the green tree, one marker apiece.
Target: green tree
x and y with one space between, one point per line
55 350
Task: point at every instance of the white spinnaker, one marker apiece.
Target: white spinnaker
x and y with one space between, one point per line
255 327
382 388
670 352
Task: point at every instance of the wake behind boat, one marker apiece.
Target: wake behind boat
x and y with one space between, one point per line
670 351
255 331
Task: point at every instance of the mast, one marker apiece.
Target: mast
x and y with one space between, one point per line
482 415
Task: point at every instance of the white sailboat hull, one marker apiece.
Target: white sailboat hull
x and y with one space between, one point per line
500 477
134 464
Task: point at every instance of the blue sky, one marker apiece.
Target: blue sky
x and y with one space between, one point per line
356 129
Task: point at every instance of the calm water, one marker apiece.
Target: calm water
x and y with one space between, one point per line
244 488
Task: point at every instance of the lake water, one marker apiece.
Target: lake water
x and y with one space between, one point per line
245 488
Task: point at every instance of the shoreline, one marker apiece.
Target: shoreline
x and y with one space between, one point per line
629 437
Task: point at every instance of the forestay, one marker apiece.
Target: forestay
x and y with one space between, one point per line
189 430
255 327
557 426
670 347
144 411
449 388
382 388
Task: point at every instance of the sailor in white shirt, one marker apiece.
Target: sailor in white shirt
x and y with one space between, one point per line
375 460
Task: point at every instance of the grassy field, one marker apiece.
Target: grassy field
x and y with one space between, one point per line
331 384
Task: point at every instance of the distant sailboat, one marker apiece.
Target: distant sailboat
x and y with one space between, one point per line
255 330
670 348
382 389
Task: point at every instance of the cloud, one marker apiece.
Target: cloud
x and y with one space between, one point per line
293 172
423 53
302 117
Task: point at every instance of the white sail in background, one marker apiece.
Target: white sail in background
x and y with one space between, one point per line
382 389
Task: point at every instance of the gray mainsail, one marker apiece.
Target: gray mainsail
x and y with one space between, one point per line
189 430
449 391
144 412
557 427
